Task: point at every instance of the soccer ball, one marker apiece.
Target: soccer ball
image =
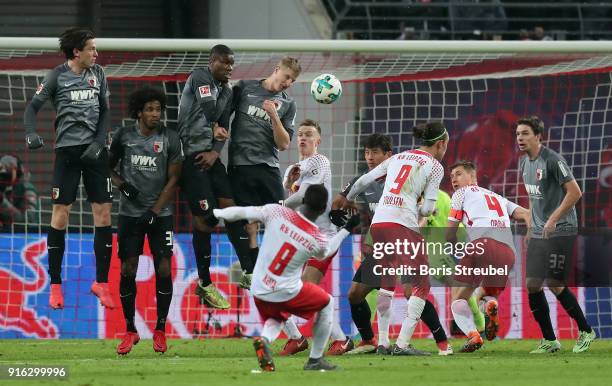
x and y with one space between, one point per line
326 88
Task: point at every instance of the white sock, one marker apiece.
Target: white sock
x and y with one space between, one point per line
336 331
271 330
322 329
383 310
415 309
463 316
291 329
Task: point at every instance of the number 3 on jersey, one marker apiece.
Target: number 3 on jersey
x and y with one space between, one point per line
401 178
282 258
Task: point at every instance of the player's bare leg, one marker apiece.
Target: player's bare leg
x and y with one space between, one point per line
103 249
56 245
206 289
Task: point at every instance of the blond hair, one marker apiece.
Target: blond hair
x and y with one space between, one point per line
291 64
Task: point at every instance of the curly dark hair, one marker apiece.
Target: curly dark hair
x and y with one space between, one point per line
141 96
72 38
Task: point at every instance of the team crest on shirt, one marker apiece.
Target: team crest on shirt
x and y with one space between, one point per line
55 193
204 91
539 174
204 205
278 104
93 81
40 88
158 146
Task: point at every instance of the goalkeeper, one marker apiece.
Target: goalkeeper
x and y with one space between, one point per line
433 230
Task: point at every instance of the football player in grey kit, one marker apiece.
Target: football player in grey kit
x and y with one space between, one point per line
553 194
79 93
150 159
203 119
263 125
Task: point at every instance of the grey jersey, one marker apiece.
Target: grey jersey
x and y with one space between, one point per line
144 164
76 99
366 200
543 178
252 140
203 102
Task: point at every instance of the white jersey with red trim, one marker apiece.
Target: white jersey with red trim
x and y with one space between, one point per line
483 212
316 170
289 241
408 176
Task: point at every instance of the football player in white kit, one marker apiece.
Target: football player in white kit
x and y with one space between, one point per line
486 217
408 176
313 168
290 239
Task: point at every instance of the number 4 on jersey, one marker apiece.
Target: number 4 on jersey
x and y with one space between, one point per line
282 258
494 205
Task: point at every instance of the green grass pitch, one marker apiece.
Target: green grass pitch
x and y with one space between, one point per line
221 362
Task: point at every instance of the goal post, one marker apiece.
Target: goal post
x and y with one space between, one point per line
477 88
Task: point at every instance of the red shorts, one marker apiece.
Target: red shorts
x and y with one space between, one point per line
309 300
390 233
495 254
321 265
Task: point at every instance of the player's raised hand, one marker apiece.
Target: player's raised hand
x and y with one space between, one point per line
270 108
206 159
129 191
34 141
220 133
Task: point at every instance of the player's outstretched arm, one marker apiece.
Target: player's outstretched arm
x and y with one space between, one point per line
334 243
362 182
521 214
235 213
281 135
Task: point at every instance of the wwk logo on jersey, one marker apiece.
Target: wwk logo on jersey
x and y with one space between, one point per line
258 112
82 95
204 91
144 162
533 190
